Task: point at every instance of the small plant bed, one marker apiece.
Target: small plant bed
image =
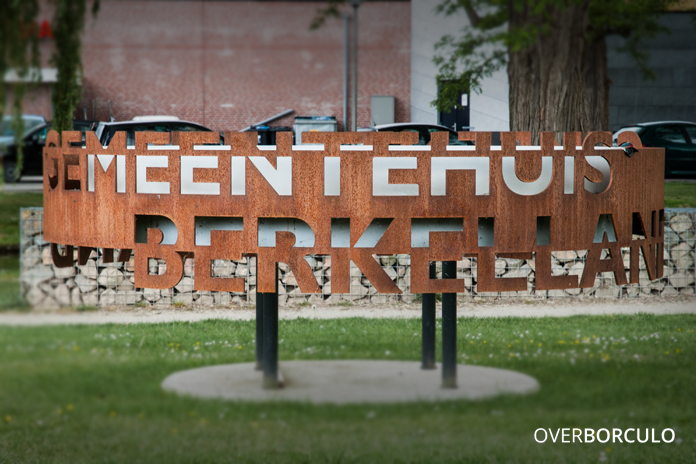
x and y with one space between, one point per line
92 393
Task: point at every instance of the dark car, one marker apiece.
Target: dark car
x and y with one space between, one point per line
34 141
678 138
32 152
106 130
31 122
423 130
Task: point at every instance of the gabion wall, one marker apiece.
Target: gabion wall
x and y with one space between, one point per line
100 284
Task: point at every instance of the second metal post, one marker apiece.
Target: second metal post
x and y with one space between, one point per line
428 325
270 338
449 329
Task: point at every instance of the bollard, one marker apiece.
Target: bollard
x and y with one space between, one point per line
449 329
270 338
428 325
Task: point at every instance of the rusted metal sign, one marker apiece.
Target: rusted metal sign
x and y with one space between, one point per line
353 196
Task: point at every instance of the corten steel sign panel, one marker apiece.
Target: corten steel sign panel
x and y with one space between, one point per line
352 196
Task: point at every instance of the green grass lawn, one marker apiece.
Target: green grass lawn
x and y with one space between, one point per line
680 195
10 203
9 283
92 393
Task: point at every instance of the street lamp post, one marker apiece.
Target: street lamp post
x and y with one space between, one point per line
354 106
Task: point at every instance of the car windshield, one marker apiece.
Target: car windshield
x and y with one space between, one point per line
454 140
637 129
29 124
169 127
691 130
453 137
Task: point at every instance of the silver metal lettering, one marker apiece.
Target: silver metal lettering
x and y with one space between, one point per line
143 222
142 163
373 233
422 227
441 164
332 176
238 181
206 224
380 176
604 226
304 235
280 179
602 165
527 188
569 175
188 186
340 233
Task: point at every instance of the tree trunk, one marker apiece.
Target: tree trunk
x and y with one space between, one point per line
560 82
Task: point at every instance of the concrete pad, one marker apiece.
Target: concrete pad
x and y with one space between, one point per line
348 382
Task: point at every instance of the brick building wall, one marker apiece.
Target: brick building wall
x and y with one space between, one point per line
37 100
230 64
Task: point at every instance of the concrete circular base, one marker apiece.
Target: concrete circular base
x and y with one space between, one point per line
348 382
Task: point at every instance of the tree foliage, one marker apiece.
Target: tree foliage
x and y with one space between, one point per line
493 37
331 10
19 52
69 23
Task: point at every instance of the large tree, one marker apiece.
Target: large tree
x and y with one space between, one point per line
555 52
19 51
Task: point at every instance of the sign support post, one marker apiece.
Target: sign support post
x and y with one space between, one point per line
259 330
270 337
428 325
449 329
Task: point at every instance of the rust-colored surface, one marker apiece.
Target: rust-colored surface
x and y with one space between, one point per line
105 218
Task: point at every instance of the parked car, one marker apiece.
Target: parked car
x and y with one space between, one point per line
35 140
31 122
678 138
32 152
106 130
423 130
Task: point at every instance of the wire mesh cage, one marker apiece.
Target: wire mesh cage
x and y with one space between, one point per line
98 283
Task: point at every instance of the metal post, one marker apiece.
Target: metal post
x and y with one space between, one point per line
259 330
346 65
449 329
270 338
428 325
354 106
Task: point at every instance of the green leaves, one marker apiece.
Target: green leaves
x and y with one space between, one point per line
19 52
69 22
330 11
498 28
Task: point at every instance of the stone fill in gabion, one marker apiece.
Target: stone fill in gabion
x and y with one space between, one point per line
103 284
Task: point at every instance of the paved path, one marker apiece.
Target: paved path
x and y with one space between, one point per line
25 184
499 308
